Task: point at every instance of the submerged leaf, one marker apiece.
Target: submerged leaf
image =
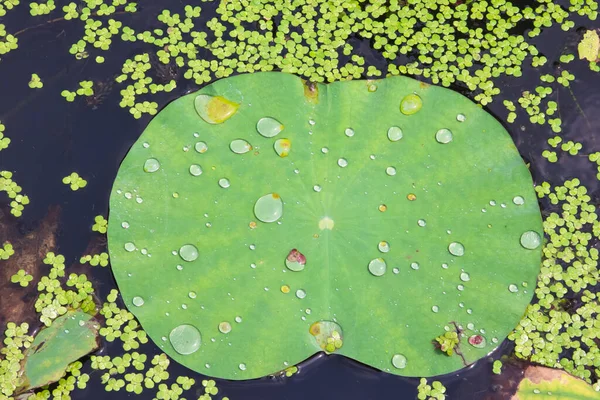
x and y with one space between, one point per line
392 216
553 384
589 47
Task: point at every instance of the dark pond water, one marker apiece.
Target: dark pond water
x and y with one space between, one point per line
51 138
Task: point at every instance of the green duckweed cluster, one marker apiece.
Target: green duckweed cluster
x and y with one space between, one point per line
41 8
85 89
561 328
95 259
6 251
22 277
4 141
100 224
497 367
13 190
16 340
448 342
74 181
35 82
435 391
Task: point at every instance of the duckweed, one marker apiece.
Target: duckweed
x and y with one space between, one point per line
74 181
18 200
435 391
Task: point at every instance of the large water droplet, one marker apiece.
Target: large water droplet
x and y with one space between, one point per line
410 104
531 240
151 165
188 252
443 136
129 247
201 147
214 109
349 132
394 133
377 266
240 146
195 170
282 147
327 334
185 339
456 249
224 183
295 260
399 361
269 127
518 200
477 341
137 301
391 171
268 208
342 162
224 327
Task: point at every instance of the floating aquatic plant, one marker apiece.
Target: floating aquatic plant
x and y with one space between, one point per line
419 208
74 181
546 383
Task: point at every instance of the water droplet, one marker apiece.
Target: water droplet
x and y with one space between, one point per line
184 306
129 247
214 109
268 208
185 339
342 162
470 326
311 121
128 195
456 249
201 147
317 188
125 225
224 183
242 366
192 295
394 133
186 148
349 132
326 223
477 341
383 247
445 266
240 146
175 195
435 309
179 267
513 288
188 252
410 104
461 118
461 287
144 251
391 171
399 361
531 240
327 334
268 127
421 222
238 319
461 305
465 277
372 156
372 88
382 208
146 145
137 301
324 150
414 265
300 293
469 311
224 327
411 197
195 170
282 147
492 202
308 311
377 266
443 136
295 261
252 247
151 165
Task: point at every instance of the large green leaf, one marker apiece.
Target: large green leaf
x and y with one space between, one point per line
195 255
552 384
70 337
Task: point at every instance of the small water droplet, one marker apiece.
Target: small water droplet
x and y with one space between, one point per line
129 247
461 118
324 150
372 88
383 247
311 121
151 165
137 301
470 326
224 327
185 339
146 145
252 247
492 202
128 195
268 208
179 267
518 200
410 104
224 183
282 147
421 222
461 305
465 277
477 341
192 295
207 365
184 306
285 289
144 251
195 170
513 288
186 148
394 134
188 252
377 266
125 225
469 311
443 136
317 188
399 361
300 293
139 200
201 147
242 366
445 266
414 265
411 197
456 249
435 309
396 270
349 132
268 127
461 287
295 261
382 208
391 171
308 311
372 156
531 240
238 319
253 266
240 146
342 162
